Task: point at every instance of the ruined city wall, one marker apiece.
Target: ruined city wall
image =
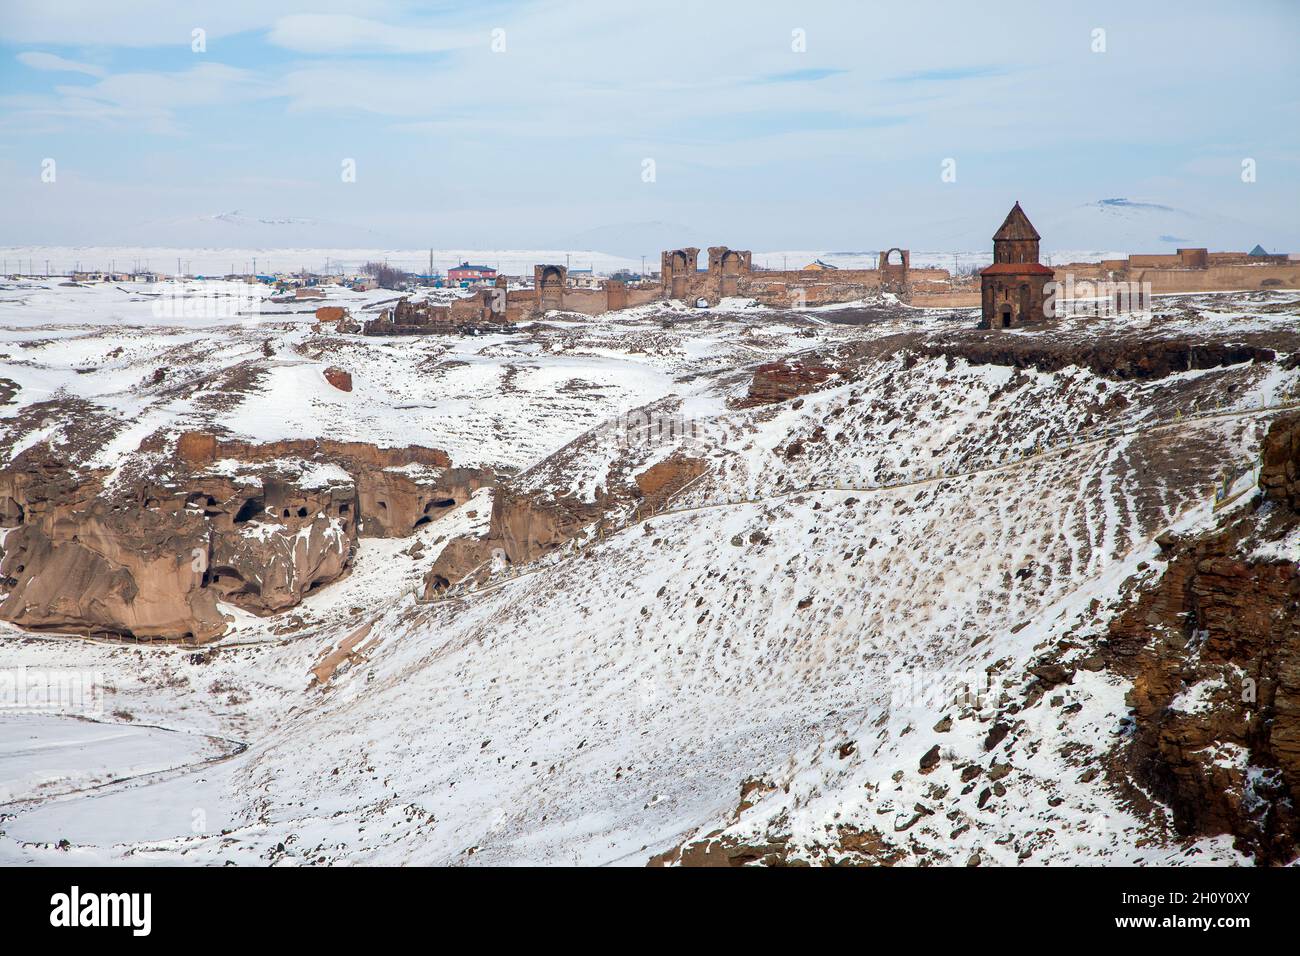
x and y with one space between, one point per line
586 301
1215 278
642 296
798 288
968 299
1220 278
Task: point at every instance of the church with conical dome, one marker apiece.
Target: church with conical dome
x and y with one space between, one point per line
1013 289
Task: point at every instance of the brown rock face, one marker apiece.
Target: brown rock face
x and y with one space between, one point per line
393 504
664 479
781 381
199 449
1280 475
522 529
330 313
1118 360
1213 652
152 559
525 526
846 845
339 378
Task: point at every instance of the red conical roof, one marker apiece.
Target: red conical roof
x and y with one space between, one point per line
1016 226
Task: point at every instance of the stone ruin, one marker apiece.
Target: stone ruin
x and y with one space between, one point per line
894 276
680 279
731 272
485 308
500 307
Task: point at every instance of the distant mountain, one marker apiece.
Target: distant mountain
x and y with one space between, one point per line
635 239
237 229
1138 225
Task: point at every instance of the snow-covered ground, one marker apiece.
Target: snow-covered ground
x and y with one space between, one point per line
800 617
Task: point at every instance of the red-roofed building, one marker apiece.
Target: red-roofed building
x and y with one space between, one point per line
1012 290
468 273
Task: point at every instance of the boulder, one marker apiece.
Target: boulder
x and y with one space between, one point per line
339 378
784 380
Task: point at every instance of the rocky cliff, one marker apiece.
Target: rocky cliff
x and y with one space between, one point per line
1213 653
254 526
527 525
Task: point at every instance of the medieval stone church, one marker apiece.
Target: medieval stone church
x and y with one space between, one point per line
1012 289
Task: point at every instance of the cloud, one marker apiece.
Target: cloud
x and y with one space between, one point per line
799 76
339 33
946 75
50 62
148 101
1134 204
384 89
145 23
201 85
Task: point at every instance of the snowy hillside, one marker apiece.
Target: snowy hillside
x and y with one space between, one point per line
836 642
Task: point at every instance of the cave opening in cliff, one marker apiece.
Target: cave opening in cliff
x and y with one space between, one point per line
203 501
249 510
11 513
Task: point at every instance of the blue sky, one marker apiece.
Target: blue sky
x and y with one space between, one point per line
756 143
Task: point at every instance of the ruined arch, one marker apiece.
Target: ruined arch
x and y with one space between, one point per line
903 256
731 264
676 269
549 282
894 275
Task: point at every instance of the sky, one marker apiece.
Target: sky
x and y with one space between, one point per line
613 125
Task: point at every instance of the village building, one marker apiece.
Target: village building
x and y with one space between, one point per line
1013 289
466 273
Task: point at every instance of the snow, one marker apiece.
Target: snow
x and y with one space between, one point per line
954 523
1199 698
45 755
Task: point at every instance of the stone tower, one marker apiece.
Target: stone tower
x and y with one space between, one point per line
1012 289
